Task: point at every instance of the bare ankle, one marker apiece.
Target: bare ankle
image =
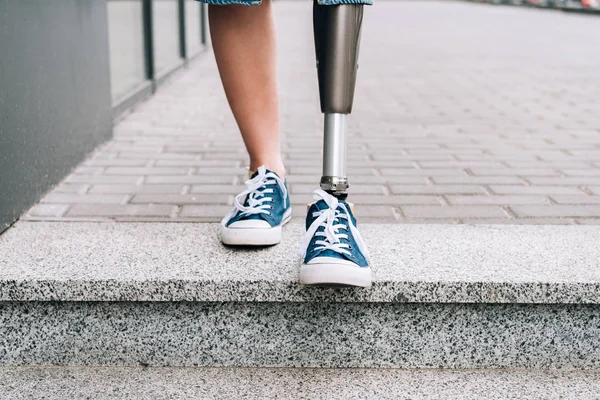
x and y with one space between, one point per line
275 166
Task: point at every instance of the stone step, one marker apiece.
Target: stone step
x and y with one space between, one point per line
114 383
169 294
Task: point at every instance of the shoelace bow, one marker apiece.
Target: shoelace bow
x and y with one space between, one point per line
257 190
330 218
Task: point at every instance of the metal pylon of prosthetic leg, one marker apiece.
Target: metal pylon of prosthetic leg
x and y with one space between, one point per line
337 36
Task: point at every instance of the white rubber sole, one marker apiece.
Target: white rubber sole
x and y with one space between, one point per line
332 272
254 236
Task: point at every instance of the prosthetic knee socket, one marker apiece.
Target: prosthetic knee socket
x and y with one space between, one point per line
337 37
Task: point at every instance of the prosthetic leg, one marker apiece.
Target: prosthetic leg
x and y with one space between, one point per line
335 256
337 36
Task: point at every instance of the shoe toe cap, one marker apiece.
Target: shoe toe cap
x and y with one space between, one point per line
250 224
331 260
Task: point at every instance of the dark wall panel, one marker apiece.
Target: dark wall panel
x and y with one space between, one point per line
55 102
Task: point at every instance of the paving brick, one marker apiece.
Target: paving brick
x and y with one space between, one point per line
393 200
461 164
373 211
122 210
179 199
161 156
133 148
86 170
397 163
413 158
217 189
423 172
565 181
527 159
226 165
594 189
133 189
438 189
407 180
145 171
216 212
478 180
583 199
67 198
190 179
116 162
71 188
588 221
520 221
102 179
545 165
442 212
209 155
497 200
47 210
514 171
393 157
557 211
581 172
541 190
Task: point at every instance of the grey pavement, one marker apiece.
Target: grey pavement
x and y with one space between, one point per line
464 113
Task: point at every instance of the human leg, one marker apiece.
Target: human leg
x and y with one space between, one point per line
243 40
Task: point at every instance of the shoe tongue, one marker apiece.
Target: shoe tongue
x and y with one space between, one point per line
320 205
317 206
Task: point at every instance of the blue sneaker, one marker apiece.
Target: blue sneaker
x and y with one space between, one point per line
259 212
333 250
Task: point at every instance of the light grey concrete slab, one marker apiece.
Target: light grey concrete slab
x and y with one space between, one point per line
253 334
58 383
185 261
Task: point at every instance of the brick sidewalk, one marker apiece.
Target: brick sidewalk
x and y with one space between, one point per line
464 113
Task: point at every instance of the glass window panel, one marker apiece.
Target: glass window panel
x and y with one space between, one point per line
193 39
126 42
165 21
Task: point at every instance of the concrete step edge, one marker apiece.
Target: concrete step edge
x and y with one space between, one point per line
49 261
292 383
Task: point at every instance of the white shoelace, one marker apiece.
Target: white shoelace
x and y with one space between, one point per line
331 219
257 191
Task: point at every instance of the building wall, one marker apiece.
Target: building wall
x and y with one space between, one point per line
55 100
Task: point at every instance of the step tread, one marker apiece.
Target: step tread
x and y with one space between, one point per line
185 261
292 383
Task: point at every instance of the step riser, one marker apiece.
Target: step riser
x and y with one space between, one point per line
300 334
111 383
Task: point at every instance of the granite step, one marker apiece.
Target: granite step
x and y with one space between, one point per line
169 294
119 383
